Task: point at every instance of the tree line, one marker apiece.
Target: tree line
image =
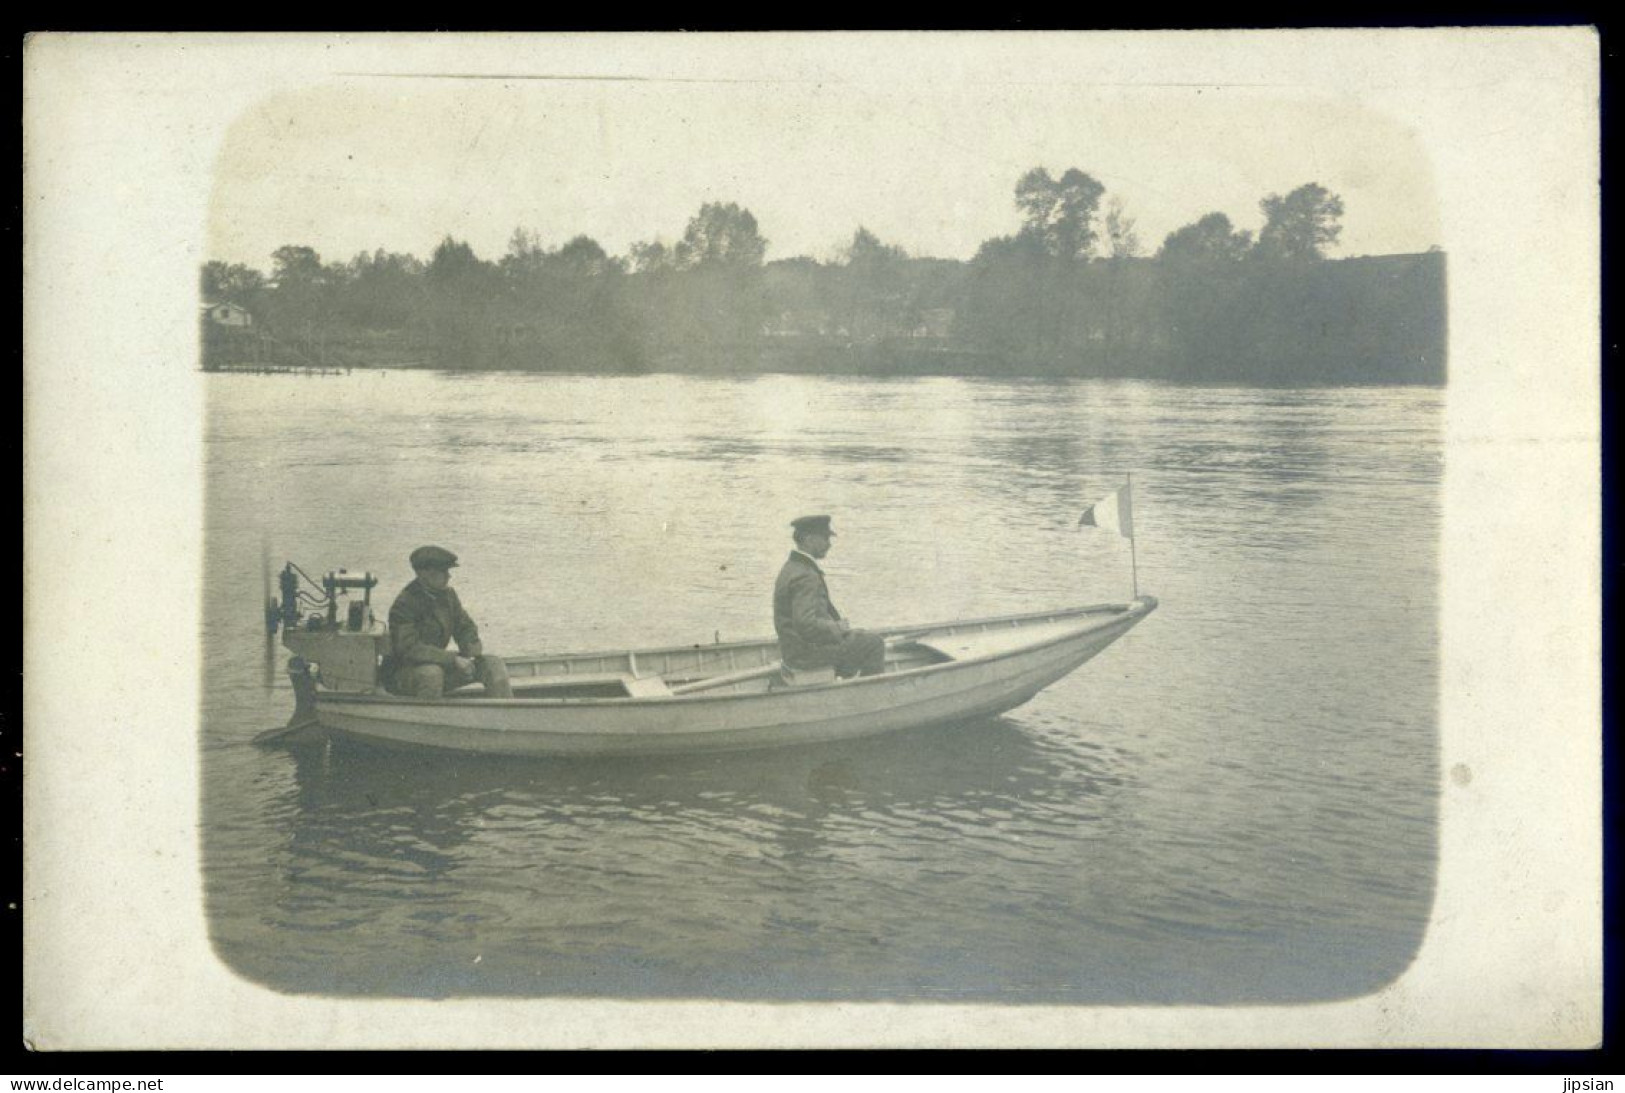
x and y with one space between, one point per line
1070 290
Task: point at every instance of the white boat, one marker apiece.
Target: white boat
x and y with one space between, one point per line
697 697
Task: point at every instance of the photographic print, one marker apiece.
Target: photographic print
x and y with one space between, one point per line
904 520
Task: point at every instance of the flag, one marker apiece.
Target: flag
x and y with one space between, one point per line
1114 512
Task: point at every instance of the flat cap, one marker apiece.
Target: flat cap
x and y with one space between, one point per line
817 524
433 557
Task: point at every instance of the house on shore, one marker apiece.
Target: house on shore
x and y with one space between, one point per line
224 313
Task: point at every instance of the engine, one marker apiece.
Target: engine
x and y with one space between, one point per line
341 653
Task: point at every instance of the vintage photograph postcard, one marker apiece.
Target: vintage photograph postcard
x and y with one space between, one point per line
785 540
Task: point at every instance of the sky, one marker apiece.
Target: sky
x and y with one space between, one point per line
399 161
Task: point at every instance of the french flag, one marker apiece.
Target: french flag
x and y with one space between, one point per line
1114 512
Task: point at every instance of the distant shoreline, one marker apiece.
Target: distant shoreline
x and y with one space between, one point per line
386 366
1332 322
806 361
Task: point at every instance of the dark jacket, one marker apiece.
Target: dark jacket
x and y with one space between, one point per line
422 623
807 622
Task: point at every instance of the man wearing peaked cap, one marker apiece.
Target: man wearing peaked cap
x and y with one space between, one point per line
819 524
812 634
423 621
433 557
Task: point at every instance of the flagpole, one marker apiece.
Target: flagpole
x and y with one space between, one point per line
1133 559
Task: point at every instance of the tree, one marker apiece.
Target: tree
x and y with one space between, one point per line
582 256
229 282
1060 214
453 260
1021 247
335 274
723 236
525 254
1036 198
1301 224
870 292
651 257
1120 319
1210 239
459 303
302 295
294 266
1007 301
384 290
1121 239
383 263
866 250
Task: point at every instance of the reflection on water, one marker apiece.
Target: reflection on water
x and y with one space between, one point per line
1234 803
426 807
418 821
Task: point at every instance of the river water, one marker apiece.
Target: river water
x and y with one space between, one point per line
1237 802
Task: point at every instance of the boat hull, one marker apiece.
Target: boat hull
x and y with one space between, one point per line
980 686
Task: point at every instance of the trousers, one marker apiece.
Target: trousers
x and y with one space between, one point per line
860 653
433 681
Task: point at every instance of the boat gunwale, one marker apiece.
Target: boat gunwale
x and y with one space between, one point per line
1136 609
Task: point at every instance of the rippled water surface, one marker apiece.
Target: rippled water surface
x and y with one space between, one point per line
1236 802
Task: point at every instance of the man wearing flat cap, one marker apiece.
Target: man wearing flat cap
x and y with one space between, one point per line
812 633
424 620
